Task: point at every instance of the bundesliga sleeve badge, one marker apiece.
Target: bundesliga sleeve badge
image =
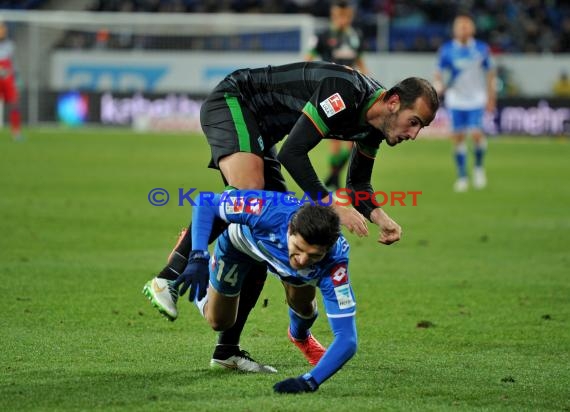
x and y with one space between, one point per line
332 105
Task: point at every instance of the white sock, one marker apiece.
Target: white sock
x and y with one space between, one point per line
200 304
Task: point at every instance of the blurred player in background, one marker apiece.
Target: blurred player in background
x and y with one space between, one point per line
342 44
561 87
8 90
252 110
303 247
465 75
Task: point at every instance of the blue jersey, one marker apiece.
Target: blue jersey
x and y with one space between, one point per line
467 67
258 234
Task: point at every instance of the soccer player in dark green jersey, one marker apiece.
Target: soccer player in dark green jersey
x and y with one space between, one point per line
339 43
253 109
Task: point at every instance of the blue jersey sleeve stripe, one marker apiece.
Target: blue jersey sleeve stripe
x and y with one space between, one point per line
341 315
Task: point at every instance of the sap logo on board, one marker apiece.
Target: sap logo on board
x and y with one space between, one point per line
113 77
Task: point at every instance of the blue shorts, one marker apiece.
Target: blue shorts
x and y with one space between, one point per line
462 120
229 267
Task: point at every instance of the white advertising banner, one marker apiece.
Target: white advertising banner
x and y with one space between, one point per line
152 71
198 72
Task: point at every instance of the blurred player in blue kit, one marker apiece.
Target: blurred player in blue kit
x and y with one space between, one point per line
469 91
340 43
302 246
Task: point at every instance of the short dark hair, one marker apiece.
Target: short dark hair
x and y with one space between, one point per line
410 89
343 4
316 224
464 13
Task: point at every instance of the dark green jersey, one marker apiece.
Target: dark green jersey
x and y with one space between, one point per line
339 46
307 102
335 98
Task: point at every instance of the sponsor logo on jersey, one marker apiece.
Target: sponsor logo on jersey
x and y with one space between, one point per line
253 206
333 105
233 205
339 275
344 297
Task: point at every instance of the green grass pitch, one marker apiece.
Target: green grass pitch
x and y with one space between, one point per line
487 271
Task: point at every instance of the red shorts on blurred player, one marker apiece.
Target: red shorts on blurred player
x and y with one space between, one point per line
8 91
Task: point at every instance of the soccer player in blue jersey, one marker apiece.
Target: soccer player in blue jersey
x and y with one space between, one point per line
302 246
252 110
469 91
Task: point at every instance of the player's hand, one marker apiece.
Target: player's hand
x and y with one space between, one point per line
195 276
352 219
390 231
296 385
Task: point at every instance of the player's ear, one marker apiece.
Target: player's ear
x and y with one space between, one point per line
394 103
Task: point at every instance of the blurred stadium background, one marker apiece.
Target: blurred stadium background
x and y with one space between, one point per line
125 63
466 313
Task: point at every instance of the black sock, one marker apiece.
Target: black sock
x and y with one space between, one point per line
332 182
250 291
179 259
343 161
225 351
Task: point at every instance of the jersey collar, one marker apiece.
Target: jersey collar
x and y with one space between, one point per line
470 43
377 95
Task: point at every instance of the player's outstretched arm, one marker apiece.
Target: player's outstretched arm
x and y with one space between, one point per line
358 179
339 352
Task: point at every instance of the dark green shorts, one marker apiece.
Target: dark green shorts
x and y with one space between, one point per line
230 127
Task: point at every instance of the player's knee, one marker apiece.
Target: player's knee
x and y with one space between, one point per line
220 323
302 308
243 170
478 136
250 182
306 311
458 138
246 182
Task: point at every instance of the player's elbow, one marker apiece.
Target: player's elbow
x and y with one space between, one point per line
285 157
291 155
350 345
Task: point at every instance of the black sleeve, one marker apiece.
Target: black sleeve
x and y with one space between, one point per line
294 156
359 175
332 105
